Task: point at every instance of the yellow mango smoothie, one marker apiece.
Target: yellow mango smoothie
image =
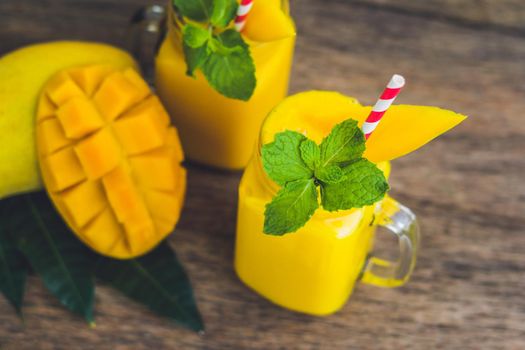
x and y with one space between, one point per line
217 130
315 268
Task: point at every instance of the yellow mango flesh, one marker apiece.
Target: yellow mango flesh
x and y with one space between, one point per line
267 22
23 74
110 159
403 128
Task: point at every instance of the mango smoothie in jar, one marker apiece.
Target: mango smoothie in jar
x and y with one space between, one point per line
313 268
217 129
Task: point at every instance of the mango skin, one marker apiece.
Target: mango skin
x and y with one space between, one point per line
23 74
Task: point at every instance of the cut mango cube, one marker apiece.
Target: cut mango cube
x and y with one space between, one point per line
162 204
104 233
84 202
123 195
90 77
46 107
56 139
117 177
156 169
79 117
67 170
117 94
153 108
134 78
61 88
99 154
267 22
140 132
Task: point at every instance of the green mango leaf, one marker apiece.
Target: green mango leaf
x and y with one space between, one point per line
56 255
156 280
13 267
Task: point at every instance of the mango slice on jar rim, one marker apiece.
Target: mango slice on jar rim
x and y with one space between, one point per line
267 22
402 130
405 128
110 160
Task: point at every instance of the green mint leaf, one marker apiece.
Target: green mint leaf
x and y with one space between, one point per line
310 153
216 46
291 208
282 159
331 174
299 165
197 10
223 13
364 184
345 143
195 58
195 36
231 72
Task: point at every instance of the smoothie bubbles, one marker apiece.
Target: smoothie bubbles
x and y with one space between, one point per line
220 72
315 191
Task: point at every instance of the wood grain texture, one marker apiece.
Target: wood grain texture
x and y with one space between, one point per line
467 188
508 15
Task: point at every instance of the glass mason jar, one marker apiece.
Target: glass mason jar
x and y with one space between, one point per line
216 130
314 270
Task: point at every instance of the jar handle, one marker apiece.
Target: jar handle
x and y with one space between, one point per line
147 29
401 222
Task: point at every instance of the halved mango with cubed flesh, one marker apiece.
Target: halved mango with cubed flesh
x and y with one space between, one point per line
267 22
403 128
110 160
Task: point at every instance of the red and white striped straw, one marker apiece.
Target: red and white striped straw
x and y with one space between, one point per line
385 101
242 14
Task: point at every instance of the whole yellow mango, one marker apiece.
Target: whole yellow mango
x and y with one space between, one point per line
23 74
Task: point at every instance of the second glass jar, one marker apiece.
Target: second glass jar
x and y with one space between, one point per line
216 130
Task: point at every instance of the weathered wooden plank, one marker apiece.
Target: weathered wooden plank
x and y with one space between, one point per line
467 189
506 15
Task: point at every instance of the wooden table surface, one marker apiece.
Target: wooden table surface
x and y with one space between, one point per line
468 289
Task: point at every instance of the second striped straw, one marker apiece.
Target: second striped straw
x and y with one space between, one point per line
383 103
242 13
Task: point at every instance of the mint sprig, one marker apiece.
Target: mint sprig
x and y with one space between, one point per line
196 10
293 205
282 159
345 179
220 53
